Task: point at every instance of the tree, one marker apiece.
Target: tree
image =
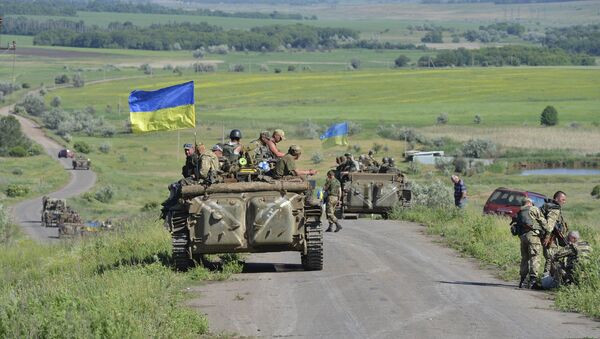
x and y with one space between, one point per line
433 36
401 61
78 80
549 116
55 102
33 104
11 135
61 79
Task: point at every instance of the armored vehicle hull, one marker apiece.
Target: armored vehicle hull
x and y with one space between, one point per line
374 193
52 211
81 164
249 217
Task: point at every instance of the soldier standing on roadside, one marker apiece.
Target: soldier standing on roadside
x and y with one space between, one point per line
552 210
333 189
530 225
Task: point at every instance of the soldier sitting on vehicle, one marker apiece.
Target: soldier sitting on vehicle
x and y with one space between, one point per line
286 165
233 148
390 167
207 169
384 165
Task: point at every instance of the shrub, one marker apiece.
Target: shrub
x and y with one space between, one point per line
377 147
104 194
309 130
277 70
596 192
54 117
263 68
25 85
445 166
35 149
178 70
460 164
82 147
401 61
16 190
477 119
549 116
198 54
104 148
146 68
33 104
150 206
413 168
122 158
108 131
479 148
354 128
61 79
55 102
433 194
17 171
167 67
236 68
17 151
355 63
291 68
442 119
200 67
78 80
316 158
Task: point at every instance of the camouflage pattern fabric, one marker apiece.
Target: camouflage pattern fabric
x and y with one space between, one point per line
285 166
330 209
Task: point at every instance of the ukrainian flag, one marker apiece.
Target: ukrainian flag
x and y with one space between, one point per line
336 134
164 109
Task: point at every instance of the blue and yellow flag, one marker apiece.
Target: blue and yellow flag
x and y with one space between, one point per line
336 134
164 109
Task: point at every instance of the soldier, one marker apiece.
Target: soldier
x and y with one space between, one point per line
564 261
556 228
384 165
530 225
286 165
187 171
265 146
233 148
208 166
372 158
333 189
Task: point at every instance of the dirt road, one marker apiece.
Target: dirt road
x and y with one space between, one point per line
28 213
382 279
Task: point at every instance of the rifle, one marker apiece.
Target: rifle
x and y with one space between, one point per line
558 234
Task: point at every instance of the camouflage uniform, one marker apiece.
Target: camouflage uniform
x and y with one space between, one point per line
285 166
565 259
188 170
332 188
531 243
209 165
554 218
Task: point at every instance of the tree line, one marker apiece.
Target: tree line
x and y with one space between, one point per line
575 39
190 36
70 8
506 56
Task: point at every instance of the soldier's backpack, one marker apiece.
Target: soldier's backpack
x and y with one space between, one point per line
521 223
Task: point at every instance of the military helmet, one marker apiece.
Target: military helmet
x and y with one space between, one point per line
235 134
385 160
295 150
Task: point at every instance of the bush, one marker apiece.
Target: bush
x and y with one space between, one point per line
277 70
477 119
236 68
25 85
354 128
442 119
17 152
263 68
198 54
150 206
549 116
309 130
104 194
355 63
445 166
16 190
82 147
104 148
56 102
78 80
596 192
316 158
17 171
146 68
61 79
401 61
434 194
291 68
377 147
35 149
54 117
413 168
33 104
200 67
479 148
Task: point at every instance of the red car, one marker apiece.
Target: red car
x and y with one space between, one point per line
507 201
65 153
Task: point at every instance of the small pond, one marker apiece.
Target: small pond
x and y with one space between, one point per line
561 171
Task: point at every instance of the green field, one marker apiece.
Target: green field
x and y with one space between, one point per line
501 96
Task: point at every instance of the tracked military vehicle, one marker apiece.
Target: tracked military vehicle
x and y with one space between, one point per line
374 193
52 211
251 217
81 162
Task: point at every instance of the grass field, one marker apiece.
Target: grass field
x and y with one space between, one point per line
40 174
501 96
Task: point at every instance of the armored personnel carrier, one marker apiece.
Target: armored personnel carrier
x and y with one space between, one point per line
250 217
52 211
81 162
374 193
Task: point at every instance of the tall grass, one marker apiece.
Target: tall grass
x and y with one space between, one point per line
118 284
488 239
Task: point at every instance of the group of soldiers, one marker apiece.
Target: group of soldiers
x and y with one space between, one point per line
544 233
366 163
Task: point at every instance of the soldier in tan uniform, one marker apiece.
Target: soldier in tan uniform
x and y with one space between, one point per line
286 165
553 212
333 189
208 166
530 225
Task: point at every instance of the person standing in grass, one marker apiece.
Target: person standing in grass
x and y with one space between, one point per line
460 192
333 189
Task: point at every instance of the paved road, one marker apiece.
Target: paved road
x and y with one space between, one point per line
28 213
382 279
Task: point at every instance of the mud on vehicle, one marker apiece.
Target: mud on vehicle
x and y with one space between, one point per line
52 211
374 193
250 217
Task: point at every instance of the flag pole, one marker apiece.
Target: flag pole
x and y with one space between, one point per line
178 143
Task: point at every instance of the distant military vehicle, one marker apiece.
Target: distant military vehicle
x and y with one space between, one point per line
374 193
52 210
70 223
246 217
76 228
81 162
